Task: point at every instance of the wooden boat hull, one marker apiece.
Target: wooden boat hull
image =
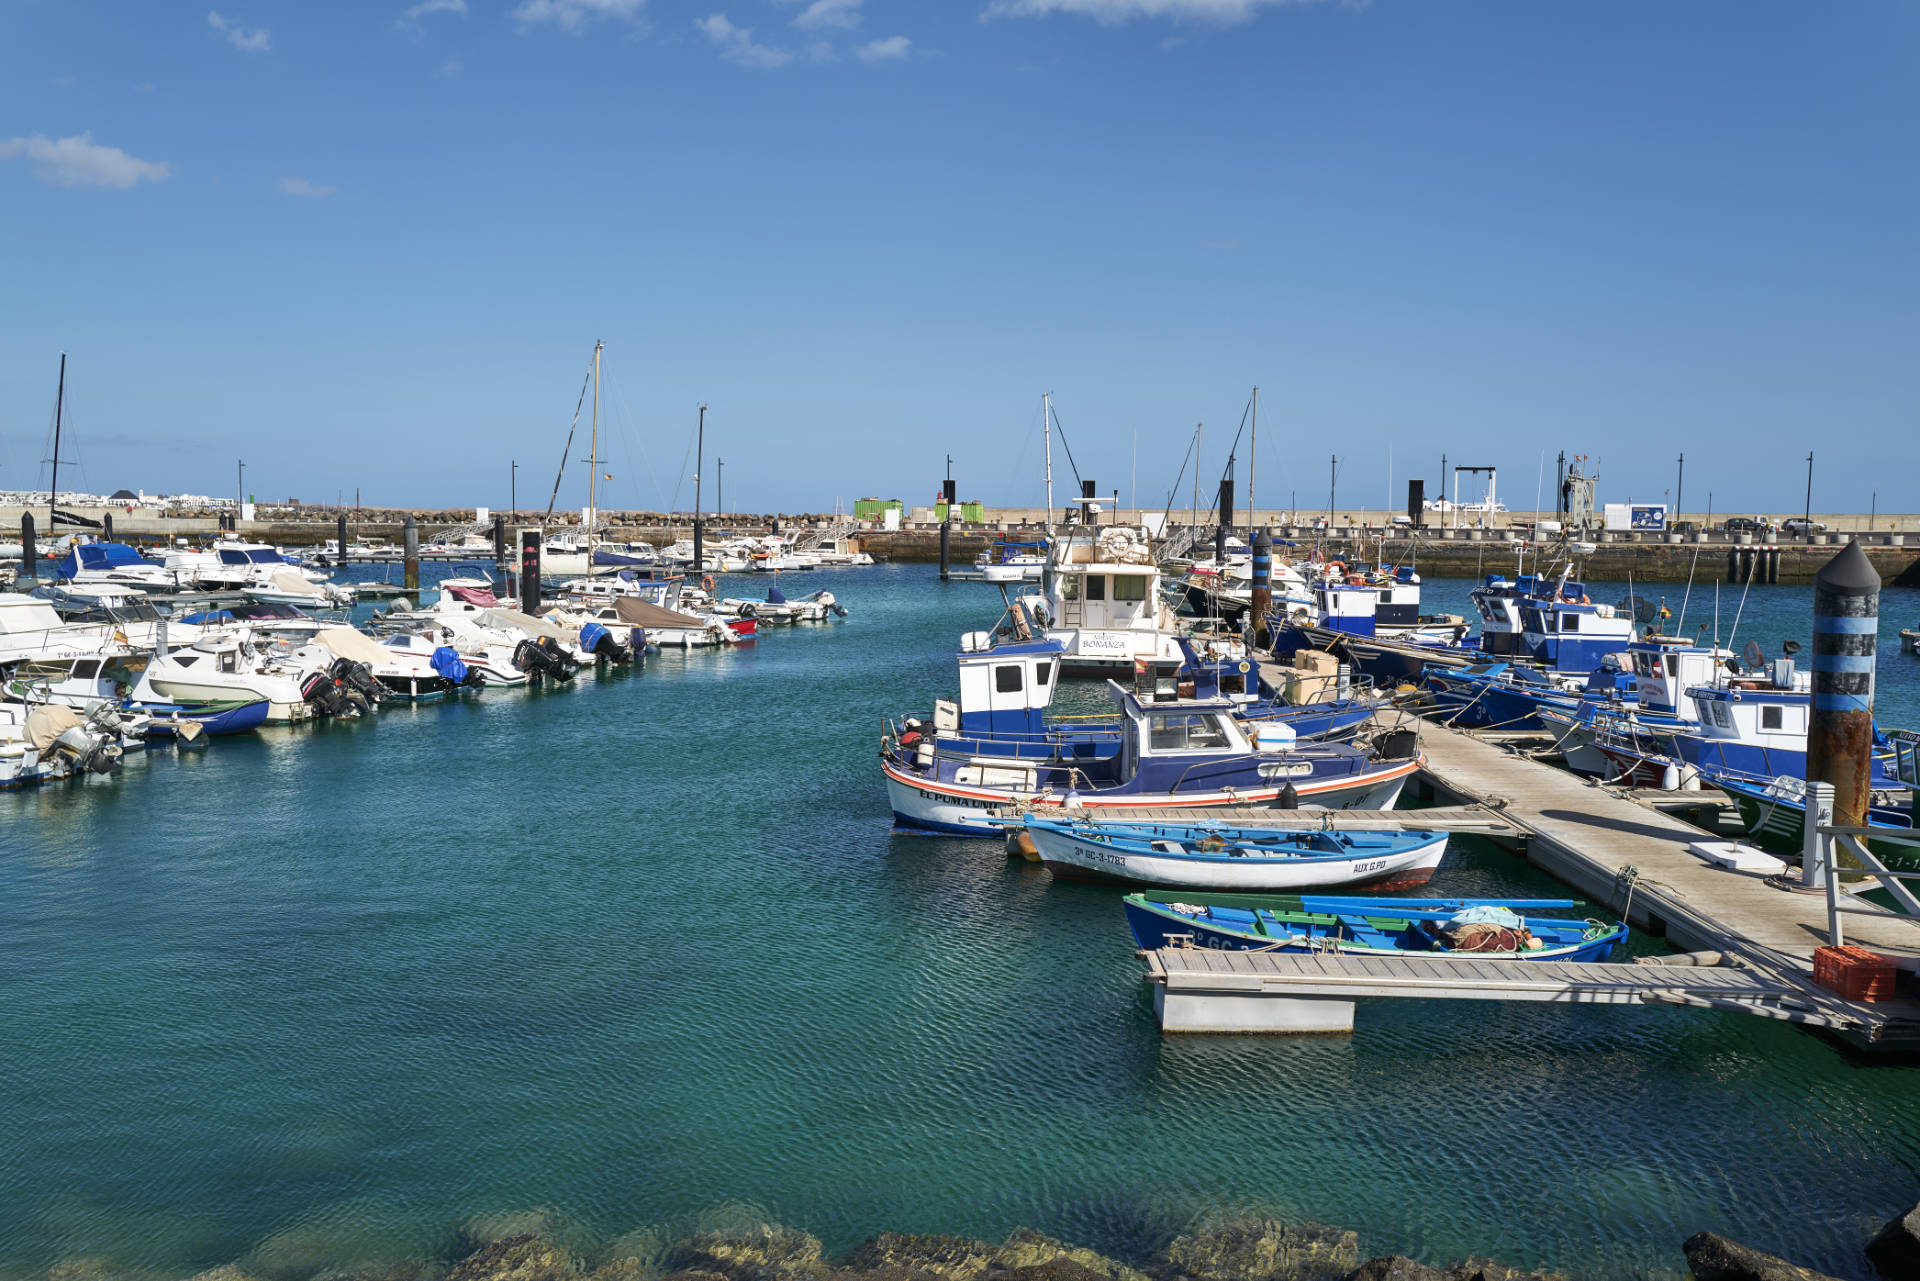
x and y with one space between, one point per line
1156 926
926 806
1083 856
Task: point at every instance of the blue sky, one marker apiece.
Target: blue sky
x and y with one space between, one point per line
372 244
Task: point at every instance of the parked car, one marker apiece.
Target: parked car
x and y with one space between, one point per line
1801 525
1744 525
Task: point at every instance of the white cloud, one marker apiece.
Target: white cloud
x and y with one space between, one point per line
1111 12
573 15
829 13
78 162
427 7
451 67
822 51
248 40
301 187
893 47
736 44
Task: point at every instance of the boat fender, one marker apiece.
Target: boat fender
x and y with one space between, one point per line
1289 797
910 737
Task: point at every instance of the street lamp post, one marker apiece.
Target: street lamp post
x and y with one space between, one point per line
513 493
1806 527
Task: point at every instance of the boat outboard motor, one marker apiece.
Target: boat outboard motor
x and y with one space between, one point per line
637 642
357 681
86 750
602 644
327 697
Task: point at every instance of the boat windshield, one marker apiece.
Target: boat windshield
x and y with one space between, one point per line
1187 732
266 556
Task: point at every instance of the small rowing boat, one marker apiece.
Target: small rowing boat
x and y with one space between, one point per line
1493 929
1218 856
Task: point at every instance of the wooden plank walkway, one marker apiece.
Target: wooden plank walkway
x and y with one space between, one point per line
1591 836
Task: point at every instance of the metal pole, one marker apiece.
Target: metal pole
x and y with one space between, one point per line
1806 529
1680 488
410 555
340 539
500 541
53 492
1846 633
28 557
1253 457
513 493
700 451
720 486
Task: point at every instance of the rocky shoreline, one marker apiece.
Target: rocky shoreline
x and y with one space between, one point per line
1249 1250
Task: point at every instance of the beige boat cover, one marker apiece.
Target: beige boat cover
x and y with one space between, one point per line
48 722
639 613
527 623
288 581
345 642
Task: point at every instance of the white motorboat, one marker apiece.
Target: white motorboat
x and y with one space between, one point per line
1102 601
112 565
44 741
219 671
30 628
290 588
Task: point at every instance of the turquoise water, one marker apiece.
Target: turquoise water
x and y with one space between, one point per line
641 951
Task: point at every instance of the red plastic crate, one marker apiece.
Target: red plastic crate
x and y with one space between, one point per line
1855 973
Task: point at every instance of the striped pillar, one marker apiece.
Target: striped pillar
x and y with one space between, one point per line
1262 587
1846 630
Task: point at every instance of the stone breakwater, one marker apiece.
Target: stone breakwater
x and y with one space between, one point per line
536 1247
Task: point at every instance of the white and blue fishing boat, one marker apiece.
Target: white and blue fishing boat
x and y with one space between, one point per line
112 565
1007 681
1348 603
1211 855
1508 696
1493 929
1178 753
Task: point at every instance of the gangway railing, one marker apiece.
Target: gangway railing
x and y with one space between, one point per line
1825 841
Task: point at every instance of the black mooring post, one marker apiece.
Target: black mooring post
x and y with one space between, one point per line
27 556
410 554
500 541
530 571
1846 634
106 527
1226 523
340 540
946 536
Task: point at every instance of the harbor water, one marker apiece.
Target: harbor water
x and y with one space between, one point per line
640 953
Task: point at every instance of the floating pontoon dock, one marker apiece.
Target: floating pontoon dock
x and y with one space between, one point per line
1611 849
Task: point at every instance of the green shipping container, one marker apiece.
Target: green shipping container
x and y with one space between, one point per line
870 508
975 512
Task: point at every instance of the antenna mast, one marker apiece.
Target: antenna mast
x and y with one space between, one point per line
59 405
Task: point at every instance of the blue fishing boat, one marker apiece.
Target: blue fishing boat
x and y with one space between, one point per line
1221 856
1493 929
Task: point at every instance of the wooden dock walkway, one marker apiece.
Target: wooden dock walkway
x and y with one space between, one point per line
1599 841
1207 990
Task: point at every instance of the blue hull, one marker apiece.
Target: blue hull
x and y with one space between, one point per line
1153 930
234 720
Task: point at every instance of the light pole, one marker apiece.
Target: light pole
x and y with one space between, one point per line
720 486
1680 486
1807 516
240 495
513 493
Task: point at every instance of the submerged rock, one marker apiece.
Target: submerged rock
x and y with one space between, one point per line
1261 1250
1895 1249
517 1258
926 1254
1488 1270
1025 1249
1714 1258
764 1253
1395 1267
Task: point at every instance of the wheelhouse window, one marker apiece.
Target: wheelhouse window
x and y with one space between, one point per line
1006 678
1096 586
1569 622
1770 717
1042 673
1185 733
1129 586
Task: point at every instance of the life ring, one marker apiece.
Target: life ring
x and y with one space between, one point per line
1356 580
706 582
1584 600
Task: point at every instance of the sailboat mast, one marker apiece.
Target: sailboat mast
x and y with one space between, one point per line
59 406
1199 434
593 450
1046 429
1253 461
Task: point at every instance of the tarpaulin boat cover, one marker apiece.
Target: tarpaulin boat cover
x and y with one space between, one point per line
590 634
294 584
775 596
48 722
448 664
536 627
638 613
478 597
345 642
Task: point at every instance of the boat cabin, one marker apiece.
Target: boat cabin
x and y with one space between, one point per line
1665 668
1006 685
1770 718
111 561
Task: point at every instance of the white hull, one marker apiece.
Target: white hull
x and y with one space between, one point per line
946 807
1066 855
280 710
